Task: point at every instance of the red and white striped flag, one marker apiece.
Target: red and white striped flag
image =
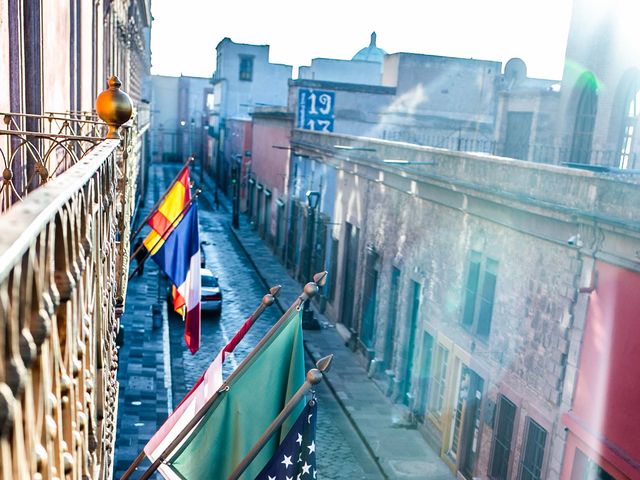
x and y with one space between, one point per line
200 393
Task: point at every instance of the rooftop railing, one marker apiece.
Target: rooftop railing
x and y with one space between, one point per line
539 152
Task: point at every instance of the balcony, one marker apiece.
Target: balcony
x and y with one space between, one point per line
66 203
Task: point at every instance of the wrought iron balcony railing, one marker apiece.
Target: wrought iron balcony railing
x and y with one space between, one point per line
36 148
63 264
77 124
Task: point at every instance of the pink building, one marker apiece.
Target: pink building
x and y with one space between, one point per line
604 423
267 184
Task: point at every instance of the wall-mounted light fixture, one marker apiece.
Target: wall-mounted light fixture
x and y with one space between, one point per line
312 199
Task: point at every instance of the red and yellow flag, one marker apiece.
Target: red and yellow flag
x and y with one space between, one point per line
163 221
167 213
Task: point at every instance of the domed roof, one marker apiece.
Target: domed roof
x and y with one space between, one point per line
371 53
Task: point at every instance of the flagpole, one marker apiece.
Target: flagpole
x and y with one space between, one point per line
314 376
267 301
155 206
310 289
162 237
237 338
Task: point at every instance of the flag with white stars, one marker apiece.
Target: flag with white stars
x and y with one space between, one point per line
295 458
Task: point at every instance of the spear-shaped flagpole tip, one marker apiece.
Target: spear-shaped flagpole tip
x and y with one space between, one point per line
275 291
320 279
314 376
324 363
270 297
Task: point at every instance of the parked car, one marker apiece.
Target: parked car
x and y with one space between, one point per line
210 294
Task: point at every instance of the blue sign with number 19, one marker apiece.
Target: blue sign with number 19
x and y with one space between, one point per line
315 109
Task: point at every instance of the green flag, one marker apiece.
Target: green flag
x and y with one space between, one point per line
257 394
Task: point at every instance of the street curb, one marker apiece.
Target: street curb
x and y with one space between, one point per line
343 407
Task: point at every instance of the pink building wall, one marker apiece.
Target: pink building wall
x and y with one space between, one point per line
270 166
605 420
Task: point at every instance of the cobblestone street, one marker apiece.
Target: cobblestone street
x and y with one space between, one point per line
342 453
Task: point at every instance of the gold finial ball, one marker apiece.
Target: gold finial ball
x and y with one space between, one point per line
311 289
114 107
268 300
314 376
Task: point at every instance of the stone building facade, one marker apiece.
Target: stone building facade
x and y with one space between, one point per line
465 285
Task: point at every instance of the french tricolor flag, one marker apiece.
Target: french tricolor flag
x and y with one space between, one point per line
179 258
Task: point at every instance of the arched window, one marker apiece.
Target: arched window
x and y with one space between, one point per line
630 119
585 120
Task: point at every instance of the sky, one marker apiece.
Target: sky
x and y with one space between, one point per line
185 33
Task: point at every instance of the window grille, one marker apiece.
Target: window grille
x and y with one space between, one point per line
531 463
502 435
630 120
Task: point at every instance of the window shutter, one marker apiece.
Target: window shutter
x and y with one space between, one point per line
471 292
486 299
